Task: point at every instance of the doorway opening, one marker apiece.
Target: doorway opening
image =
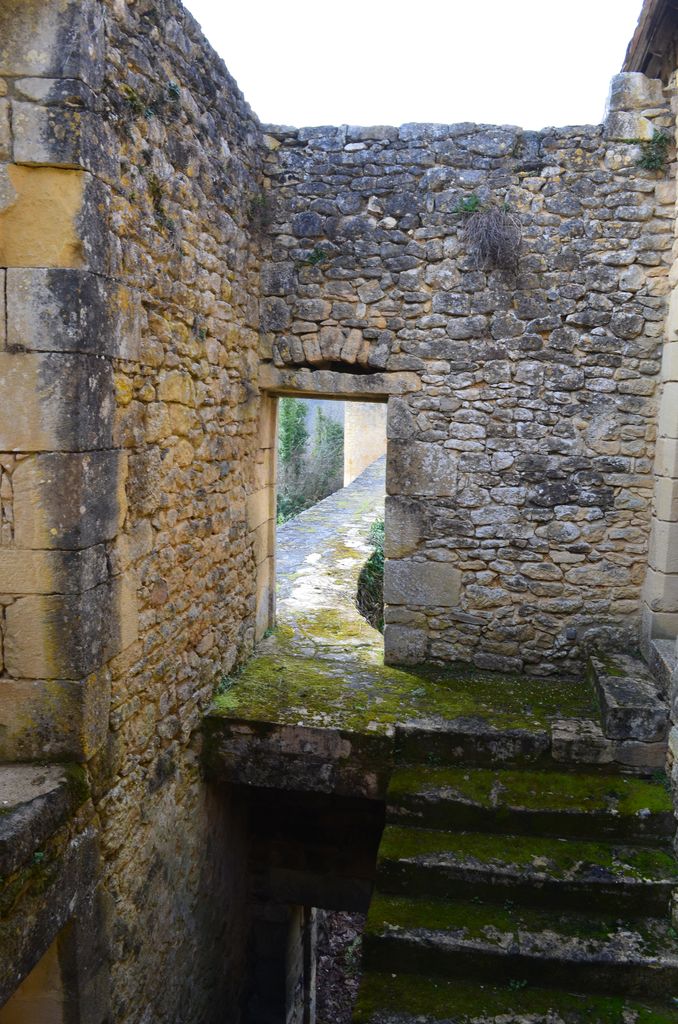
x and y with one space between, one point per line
331 458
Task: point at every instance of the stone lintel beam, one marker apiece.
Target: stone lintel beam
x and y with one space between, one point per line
367 387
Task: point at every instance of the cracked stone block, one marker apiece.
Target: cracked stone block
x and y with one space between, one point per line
580 741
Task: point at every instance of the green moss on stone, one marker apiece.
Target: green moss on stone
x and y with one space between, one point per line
536 791
557 858
439 999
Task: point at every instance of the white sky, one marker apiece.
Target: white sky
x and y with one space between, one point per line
527 62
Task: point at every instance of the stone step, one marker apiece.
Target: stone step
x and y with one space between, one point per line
531 802
467 939
470 741
399 998
531 869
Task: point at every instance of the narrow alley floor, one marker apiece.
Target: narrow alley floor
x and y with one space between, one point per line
323 664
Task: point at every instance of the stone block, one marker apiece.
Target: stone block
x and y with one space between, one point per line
5 132
663 554
400 421
404 646
425 584
666 498
666 457
670 361
621 126
69 636
661 625
54 310
69 500
579 741
55 402
265 600
668 410
405 525
660 591
25 571
40 209
53 719
52 39
260 507
63 137
416 467
263 540
631 90
631 705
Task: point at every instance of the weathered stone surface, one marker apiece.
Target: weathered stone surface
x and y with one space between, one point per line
53 39
419 468
631 706
66 500
71 311
59 719
412 582
631 90
55 402
404 646
51 572
62 137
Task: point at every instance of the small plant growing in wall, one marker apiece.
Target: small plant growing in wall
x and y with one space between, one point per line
260 212
492 233
315 257
654 152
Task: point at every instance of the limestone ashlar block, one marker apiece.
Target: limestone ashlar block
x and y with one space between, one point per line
670 361
623 126
25 571
70 500
668 411
666 498
405 526
429 584
631 90
666 457
53 719
664 547
661 591
54 310
53 39
55 402
62 137
53 217
417 467
631 705
5 132
69 636
404 645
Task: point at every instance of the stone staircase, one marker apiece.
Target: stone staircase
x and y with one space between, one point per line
510 892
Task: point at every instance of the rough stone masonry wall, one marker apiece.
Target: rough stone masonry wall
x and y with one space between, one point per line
128 238
520 448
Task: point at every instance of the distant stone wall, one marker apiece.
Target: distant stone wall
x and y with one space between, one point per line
520 451
364 437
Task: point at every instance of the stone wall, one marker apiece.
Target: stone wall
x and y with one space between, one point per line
129 223
520 451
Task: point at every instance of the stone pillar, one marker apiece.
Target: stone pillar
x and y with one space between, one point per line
261 513
640 95
64 319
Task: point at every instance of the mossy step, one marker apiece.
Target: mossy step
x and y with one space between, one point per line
466 939
533 869
554 803
399 998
